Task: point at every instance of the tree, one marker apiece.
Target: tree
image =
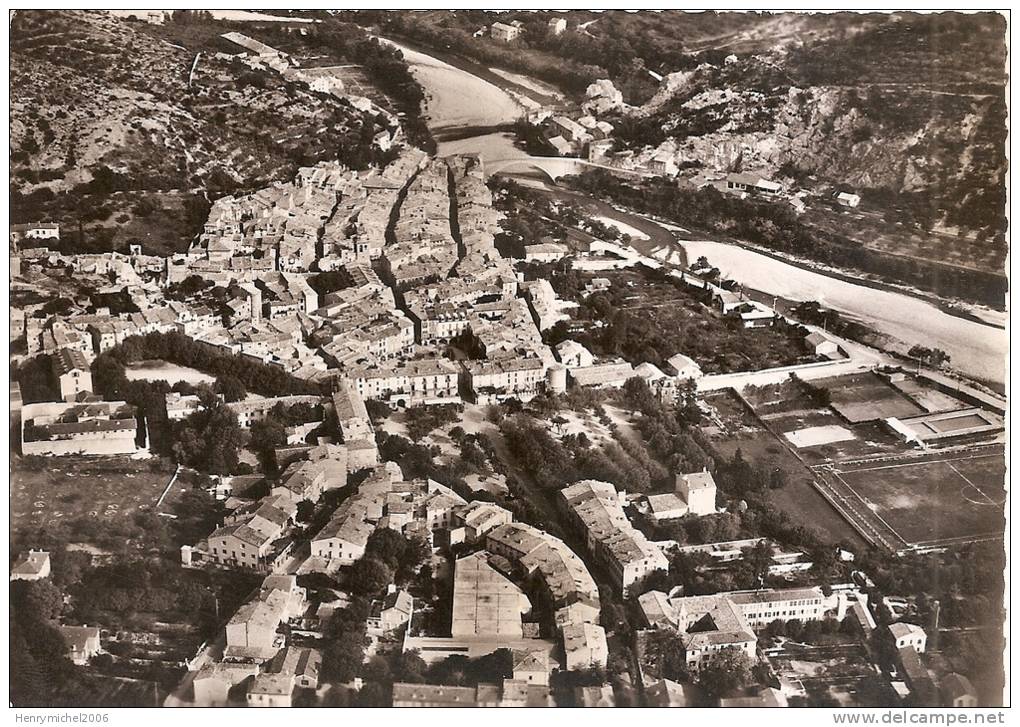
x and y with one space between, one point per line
934 357
265 436
231 387
665 649
387 545
341 660
209 439
724 672
373 694
40 598
410 667
305 510
759 559
370 576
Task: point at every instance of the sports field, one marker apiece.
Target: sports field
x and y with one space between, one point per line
935 499
867 397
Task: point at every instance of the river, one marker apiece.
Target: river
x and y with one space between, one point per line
458 100
976 349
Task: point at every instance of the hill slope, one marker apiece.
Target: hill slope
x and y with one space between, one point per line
106 112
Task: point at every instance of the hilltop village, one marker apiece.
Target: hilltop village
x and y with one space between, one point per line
370 441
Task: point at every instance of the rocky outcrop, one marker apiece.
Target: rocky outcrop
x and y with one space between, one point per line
907 139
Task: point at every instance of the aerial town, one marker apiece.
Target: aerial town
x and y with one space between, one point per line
477 359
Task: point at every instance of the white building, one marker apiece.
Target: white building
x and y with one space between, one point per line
698 490
35 231
821 345
271 690
685 367
90 428
754 183
847 199
573 355
33 567
585 646
82 643
505 33
906 634
72 373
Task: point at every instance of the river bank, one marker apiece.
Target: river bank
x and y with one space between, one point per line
512 82
983 316
458 99
976 349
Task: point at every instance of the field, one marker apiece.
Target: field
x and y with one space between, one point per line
892 494
818 433
161 370
737 429
866 397
931 500
71 488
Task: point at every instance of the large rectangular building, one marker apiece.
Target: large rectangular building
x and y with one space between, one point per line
485 602
88 427
625 551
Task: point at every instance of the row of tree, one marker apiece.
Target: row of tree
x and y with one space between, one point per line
777 227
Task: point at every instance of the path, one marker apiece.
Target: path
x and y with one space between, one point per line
168 486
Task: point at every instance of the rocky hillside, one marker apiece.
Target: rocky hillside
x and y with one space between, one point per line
908 109
106 112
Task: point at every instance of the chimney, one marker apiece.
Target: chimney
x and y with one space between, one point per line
934 639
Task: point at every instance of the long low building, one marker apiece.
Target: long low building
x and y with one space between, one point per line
601 375
508 693
946 427
709 624
421 381
488 382
87 427
625 551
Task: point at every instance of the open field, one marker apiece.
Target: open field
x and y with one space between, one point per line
799 498
934 499
819 435
818 432
66 488
867 397
162 370
929 399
